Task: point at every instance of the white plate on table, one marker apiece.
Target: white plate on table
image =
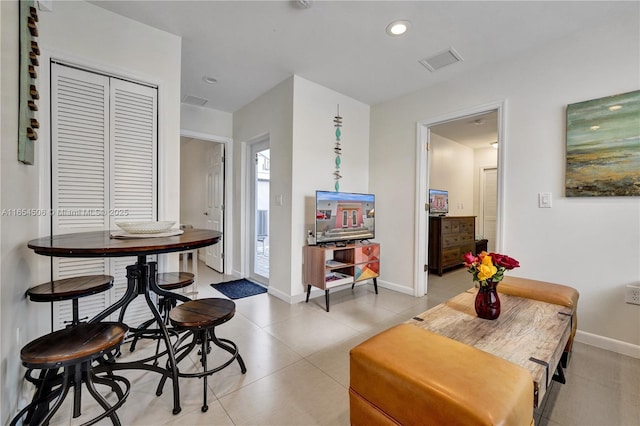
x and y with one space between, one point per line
145 227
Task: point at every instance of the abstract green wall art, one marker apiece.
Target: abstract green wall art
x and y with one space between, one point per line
603 147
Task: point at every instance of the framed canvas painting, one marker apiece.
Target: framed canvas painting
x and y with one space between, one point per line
603 147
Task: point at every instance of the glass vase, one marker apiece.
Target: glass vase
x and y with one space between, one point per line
487 301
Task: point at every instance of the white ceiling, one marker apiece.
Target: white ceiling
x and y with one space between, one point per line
476 132
250 46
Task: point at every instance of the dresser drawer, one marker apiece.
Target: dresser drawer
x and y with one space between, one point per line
451 256
450 240
467 226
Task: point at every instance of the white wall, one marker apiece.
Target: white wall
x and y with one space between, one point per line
451 169
272 114
83 34
592 244
134 51
314 140
19 190
298 116
206 120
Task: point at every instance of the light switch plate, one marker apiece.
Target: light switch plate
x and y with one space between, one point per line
544 200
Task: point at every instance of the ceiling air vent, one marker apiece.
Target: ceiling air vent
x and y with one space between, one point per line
441 60
193 100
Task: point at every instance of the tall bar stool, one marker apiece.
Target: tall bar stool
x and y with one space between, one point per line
75 349
70 288
57 291
200 318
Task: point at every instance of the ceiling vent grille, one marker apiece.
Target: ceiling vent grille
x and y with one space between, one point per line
194 100
441 60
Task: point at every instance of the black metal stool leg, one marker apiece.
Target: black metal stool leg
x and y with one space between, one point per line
77 390
205 345
232 349
62 394
109 410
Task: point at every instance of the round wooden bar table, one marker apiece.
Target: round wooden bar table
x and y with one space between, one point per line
141 279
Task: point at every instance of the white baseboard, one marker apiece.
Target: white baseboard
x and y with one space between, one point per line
613 345
316 292
281 295
396 287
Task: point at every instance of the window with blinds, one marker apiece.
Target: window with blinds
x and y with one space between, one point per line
104 169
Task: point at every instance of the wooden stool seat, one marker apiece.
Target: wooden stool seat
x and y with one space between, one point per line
202 313
71 345
174 280
70 288
74 349
200 318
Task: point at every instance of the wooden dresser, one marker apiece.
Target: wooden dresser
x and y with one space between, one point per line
450 237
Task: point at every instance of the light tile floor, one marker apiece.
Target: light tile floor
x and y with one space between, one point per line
297 359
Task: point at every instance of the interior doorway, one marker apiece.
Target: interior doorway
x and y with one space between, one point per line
259 208
475 143
204 192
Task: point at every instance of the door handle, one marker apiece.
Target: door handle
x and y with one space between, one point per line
206 213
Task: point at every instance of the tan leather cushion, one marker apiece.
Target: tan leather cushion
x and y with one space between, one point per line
417 377
540 290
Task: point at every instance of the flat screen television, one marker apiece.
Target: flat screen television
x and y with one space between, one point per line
344 216
438 202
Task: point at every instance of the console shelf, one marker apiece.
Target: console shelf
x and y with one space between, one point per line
326 267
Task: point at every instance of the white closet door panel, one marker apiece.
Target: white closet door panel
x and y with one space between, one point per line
133 159
80 134
134 149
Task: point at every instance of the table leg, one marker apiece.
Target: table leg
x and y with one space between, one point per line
133 276
140 280
165 334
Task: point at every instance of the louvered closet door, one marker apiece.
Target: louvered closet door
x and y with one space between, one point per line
80 173
133 154
103 167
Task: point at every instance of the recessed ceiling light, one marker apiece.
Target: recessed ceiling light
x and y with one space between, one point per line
397 28
594 127
209 79
615 107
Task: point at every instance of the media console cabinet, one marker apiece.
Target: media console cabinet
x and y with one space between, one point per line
326 267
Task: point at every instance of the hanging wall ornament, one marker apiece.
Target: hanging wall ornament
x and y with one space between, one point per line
337 120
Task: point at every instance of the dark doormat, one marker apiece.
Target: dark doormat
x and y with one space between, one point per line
238 289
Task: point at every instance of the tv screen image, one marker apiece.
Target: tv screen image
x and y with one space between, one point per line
344 216
438 202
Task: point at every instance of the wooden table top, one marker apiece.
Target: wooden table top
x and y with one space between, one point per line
528 333
100 244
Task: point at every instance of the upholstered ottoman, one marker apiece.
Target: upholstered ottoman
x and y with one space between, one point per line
545 292
410 376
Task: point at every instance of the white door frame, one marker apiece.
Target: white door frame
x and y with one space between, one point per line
421 241
249 216
227 239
